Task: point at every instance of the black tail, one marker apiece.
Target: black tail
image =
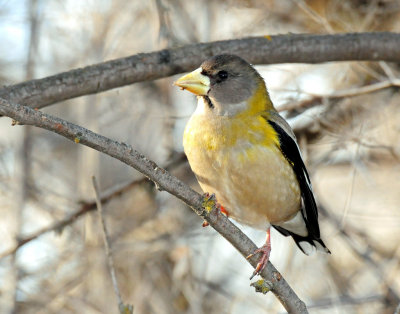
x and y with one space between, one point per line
299 240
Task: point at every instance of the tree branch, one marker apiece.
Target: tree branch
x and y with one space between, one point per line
123 308
351 92
164 181
56 226
87 207
290 48
364 254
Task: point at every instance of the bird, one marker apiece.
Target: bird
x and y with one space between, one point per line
246 154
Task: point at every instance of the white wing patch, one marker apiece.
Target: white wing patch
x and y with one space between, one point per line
295 225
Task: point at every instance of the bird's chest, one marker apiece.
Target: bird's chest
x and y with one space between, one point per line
243 168
214 145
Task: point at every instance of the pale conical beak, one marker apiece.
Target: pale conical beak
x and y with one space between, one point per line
195 82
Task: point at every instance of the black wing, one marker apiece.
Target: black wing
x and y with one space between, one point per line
291 151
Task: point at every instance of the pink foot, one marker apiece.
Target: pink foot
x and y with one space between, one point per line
265 251
223 210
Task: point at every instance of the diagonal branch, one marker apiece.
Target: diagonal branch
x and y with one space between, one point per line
56 226
164 181
87 207
290 48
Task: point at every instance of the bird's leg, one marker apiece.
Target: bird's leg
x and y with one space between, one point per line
265 250
223 210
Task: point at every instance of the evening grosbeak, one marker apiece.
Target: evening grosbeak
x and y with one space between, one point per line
242 150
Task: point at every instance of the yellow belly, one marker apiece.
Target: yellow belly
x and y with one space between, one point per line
247 172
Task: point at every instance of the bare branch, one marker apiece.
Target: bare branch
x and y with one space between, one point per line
165 181
57 226
289 48
351 92
86 207
346 300
392 296
122 307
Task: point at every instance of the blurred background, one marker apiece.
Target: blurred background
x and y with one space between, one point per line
346 117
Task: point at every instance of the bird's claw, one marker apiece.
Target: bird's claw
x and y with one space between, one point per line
265 250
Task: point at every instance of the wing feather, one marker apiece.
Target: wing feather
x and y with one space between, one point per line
292 153
309 210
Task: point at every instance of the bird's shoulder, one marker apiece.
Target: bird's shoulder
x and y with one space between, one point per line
286 139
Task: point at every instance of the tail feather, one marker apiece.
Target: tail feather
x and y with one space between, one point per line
304 243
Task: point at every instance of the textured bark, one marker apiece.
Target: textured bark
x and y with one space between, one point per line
164 181
288 48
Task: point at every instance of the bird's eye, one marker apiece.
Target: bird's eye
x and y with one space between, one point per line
223 75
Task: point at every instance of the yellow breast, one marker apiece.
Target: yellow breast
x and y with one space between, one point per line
238 159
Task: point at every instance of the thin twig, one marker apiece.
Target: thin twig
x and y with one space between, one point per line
290 48
314 15
106 239
352 92
85 208
346 300
56 226
164 181
364 255
120 190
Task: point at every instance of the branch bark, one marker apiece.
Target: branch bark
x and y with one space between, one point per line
290 48
164 181
87 207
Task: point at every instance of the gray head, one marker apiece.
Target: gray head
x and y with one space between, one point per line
232 79
226 83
